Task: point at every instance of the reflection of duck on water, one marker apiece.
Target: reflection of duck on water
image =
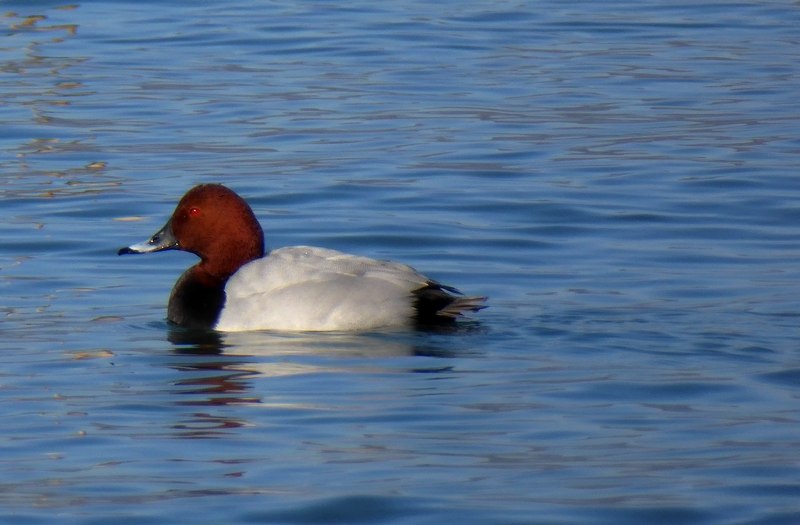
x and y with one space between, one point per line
223 368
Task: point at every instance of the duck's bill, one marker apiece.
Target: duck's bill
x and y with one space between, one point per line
163 239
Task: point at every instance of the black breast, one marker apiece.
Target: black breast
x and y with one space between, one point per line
194 303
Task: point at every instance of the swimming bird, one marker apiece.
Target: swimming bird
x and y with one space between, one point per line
236 287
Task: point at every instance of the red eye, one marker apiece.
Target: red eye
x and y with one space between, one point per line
194 212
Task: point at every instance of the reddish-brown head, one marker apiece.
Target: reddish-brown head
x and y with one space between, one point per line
216 224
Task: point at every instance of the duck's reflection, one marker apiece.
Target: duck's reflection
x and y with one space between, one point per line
331 344
195 342
221 372
221 368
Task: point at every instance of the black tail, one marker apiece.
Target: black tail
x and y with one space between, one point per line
437 304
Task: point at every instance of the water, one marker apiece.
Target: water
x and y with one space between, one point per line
619 177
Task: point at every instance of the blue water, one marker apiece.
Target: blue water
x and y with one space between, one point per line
619 177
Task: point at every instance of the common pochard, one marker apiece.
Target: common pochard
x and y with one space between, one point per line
236 287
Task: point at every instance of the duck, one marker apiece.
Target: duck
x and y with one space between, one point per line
237 286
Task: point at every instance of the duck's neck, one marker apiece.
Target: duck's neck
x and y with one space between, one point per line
227 261
199 295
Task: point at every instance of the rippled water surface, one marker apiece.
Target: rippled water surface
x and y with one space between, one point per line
621 178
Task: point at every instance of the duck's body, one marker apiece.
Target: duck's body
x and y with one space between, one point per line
235 287
308 288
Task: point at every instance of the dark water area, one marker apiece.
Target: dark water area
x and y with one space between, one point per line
620 178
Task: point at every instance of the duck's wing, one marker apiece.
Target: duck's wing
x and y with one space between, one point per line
308 288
